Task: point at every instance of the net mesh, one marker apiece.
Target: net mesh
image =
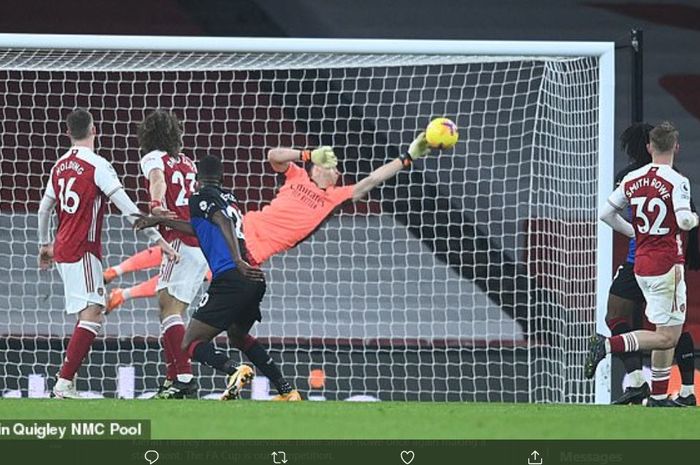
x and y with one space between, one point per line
471 277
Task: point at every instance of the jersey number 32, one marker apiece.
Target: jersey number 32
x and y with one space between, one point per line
657 208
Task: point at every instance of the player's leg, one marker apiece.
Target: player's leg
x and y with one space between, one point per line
178 284
149 258
243 374
661 362
146 289
197 343
625 299
84 296
89 324
665 297
643 339
118 296
179 382
213 316
685 358
246 314
618 317
240 338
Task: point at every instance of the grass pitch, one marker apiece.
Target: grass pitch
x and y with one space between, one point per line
381 420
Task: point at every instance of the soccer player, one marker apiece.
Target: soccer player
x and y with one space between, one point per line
660 199
80 185
625 297
171 180
302 204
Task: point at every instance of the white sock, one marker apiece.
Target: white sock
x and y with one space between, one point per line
637 378
185 378
62 383
659 396
687 390
607 345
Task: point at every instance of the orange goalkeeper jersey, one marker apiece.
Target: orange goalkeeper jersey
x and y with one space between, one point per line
297 210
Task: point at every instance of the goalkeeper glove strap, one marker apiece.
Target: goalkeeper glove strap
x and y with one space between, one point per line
406 159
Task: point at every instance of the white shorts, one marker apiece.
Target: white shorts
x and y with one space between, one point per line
83 283
665 296
183 279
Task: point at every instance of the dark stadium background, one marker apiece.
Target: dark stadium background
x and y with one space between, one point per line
672 32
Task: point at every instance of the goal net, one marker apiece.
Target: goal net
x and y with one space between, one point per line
472 277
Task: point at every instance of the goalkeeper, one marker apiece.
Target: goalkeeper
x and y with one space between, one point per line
303 203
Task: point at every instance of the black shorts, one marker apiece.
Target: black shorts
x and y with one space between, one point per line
231 298
625 285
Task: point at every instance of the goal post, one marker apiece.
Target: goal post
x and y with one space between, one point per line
604 245
477 276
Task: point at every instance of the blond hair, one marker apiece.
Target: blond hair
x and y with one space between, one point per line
664 137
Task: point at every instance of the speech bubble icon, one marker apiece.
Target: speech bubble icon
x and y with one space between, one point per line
151 456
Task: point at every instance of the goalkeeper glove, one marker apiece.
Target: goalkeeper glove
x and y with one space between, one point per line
418 148
322 156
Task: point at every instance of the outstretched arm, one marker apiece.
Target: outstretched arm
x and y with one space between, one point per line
418 148
143 222
375 178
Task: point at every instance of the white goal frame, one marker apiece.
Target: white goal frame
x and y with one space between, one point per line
604 51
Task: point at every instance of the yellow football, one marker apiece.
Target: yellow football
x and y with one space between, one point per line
441 133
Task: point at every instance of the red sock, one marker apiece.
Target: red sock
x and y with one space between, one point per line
626 342
78 347
173 334
617 344
171 373
659 381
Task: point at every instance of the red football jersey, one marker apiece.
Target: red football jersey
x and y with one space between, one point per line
81 182
180 178
656 193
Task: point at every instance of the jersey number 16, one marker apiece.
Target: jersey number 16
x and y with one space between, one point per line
68 198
